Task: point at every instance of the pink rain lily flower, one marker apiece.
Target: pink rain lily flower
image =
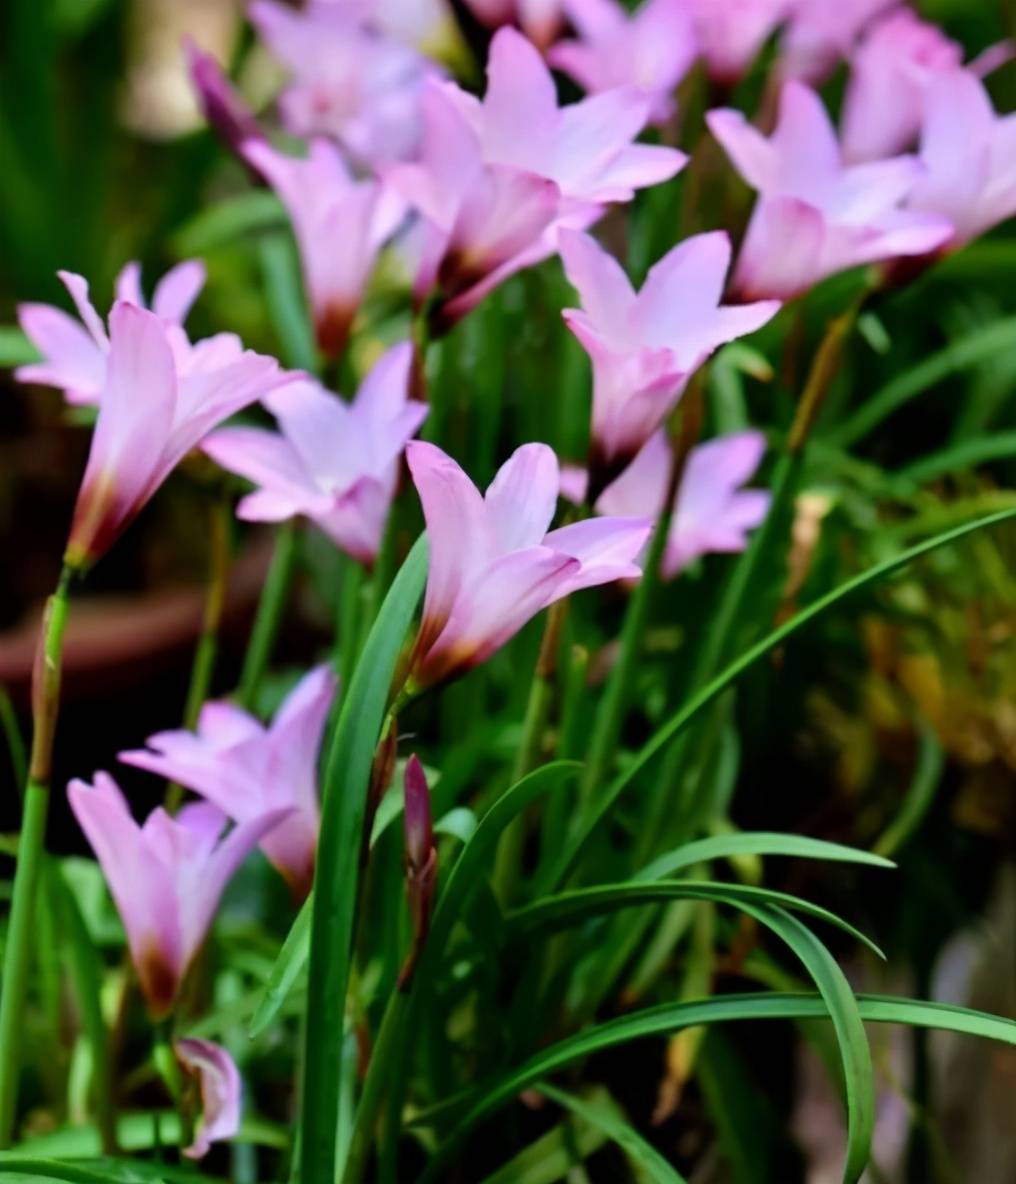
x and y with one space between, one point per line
816 216
426 24
166 877
218 1081
493 566
350 82
540 20
645 345
586 148
160 397
652 48
248 770
821 33
333 461
478 223
731 33
340 224
890 72
712 512
969 158
75 352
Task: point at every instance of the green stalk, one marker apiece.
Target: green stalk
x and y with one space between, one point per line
173 1077
15 743
612 707
271 607
20 933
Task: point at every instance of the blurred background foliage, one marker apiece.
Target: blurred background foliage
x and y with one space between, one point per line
891 725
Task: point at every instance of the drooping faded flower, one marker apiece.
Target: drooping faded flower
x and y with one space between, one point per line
969 158
540 20
816 216
651 48
335 462
713 514
493 565
349 81
731 33
340 225
645 345
166 877
890 73
218 1082
75 352
248 770
160 397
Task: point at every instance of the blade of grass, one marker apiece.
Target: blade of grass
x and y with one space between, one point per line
286 970
756 843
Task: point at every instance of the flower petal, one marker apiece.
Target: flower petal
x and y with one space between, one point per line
221 1092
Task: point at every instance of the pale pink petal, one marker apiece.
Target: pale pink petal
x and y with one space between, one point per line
71 360
522 498
220 1088
521 99
355 521
749 151
177 290
263 457
781 253
77 286
128 285
606 547
601 282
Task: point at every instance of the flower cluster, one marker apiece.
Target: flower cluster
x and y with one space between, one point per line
407 172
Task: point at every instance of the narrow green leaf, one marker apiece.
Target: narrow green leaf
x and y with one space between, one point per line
727 677
15 348
970 350
756 843
290 962
551 1157
232 219
967 454
479 1102
855 1054
286 302
639 1150
566 908
335 889
919 797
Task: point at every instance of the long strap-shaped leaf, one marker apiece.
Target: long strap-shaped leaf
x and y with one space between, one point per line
568 907
756 843
654 1167
680 720
335 884
673 1017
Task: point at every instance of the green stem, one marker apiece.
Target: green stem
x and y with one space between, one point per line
612 707
347 626
271 607
175 1080
20 932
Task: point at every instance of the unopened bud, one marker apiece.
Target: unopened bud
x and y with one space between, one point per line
421 862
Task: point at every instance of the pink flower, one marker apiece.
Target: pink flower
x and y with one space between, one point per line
822 32
493 566
335 462
426 24
586 149
75 354
478 223
731 33
340 225
350 82
969 158
890 72
540 20
218 1080
166 876
645 345
712 513
652 48
161 396
815 216
248 770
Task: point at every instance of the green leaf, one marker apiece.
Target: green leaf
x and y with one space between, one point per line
568 907
15 348
287 303
970 350
551 1157
967 454
234 218
288 965
673 1017
855 1054
102 1171
727 677
346 780
920 795
756 843
642 1153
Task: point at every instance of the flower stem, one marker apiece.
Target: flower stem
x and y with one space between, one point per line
15 743
175 1080
271 607
612 707
20 933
